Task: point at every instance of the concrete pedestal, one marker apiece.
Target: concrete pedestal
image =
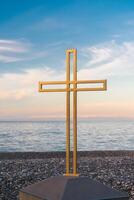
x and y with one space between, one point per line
70 188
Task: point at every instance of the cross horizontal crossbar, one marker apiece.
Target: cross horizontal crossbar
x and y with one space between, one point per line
102 88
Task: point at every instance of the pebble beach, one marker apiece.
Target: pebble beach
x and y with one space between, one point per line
113 168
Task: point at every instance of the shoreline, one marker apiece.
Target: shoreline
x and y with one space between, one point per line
20 169
62 154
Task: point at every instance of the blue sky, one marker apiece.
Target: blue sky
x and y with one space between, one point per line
51 25
33 38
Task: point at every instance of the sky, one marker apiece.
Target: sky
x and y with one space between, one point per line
34 36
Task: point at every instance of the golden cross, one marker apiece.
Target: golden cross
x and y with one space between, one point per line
75 82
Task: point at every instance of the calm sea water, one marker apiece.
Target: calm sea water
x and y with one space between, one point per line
93 134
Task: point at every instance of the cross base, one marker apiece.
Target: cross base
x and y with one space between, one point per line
71 174
70 188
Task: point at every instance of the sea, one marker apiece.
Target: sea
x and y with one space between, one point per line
49 135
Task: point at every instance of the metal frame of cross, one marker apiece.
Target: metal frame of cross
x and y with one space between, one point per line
75 82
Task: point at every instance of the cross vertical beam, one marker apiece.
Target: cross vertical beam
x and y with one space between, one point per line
74 52
75 112
67 112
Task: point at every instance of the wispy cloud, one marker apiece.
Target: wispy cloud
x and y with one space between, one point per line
109 59
9 59
106 60
12 50
48 23
130 22
25 84
13 46
18 50
7 42
21 90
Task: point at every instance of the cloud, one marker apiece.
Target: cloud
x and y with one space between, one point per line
12 50
19 50
23 85
13 46
7 42
9 59
103 61
130 22
109 59
48 23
